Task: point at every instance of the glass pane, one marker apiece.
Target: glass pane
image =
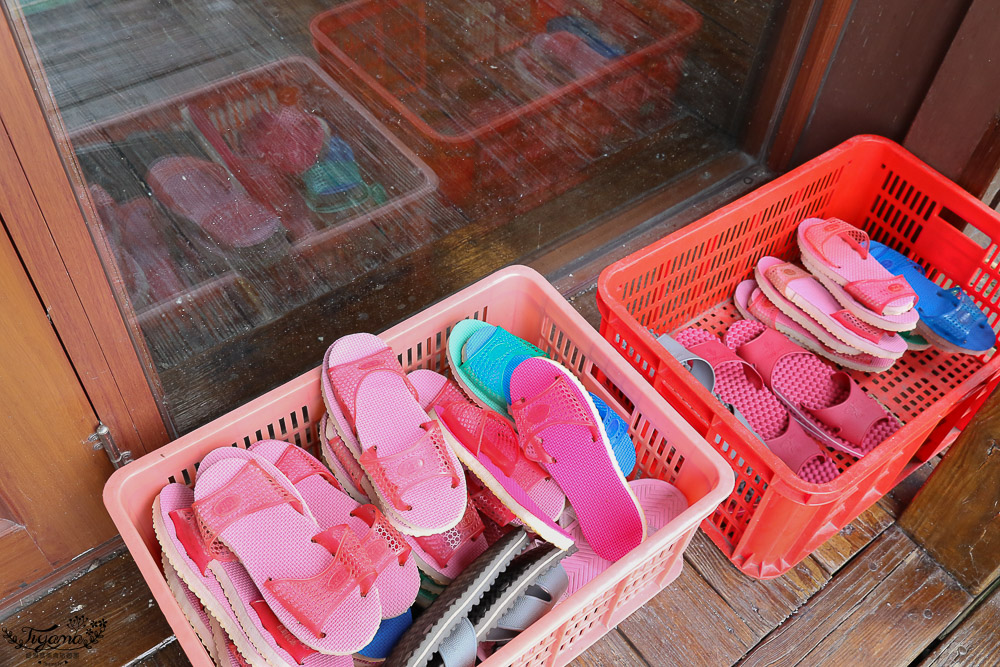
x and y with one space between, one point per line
271 175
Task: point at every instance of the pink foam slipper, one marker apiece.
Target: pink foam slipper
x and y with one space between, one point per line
409 464
560 428
754 305
489 448
238 606
828 403
397 579
838 252
191 607
310 578
737 382
341 462
778 279
661 502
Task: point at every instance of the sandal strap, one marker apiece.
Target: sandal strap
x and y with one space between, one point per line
296 464
852 418
957 323
557 404
425 459
347 461
766 350
850 321
282 637
312 600
487 502
186 527
484 432
346 378
442 546
252 489
819 235
717 354
382 543
449 393
877 293
788 446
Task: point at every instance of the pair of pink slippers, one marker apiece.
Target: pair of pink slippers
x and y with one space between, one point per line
791 399
409 463
282 558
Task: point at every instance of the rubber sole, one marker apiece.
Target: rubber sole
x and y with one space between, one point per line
418 644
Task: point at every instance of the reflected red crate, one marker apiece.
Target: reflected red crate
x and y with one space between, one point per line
773 519
461 80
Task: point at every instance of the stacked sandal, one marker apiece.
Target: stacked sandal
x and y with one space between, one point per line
448 517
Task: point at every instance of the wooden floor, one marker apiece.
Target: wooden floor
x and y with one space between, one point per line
869 596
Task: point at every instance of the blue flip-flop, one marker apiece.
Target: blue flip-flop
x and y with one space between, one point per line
389 632
949 318
617 430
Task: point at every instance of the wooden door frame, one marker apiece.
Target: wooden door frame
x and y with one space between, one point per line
39 207
49 226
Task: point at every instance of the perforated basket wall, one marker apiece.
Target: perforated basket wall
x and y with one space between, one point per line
523 302
773 519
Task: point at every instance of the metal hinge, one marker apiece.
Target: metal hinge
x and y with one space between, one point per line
102 440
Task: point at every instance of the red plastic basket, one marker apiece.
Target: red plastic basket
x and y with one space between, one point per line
773 519
520 300
443 71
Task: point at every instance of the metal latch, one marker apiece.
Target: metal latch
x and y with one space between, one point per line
102 440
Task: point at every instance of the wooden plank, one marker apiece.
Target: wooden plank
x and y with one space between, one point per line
689 624
20 558
612 649
964 97
880 71
954 517
762 605
892 584
171 655
974 642
902 495
64 264
852 538
114 593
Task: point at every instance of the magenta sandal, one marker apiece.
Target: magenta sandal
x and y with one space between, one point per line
805 300
238 606
560 428
490 450
312 579
828 403
738 383
755 306
397 579
837 252
409 464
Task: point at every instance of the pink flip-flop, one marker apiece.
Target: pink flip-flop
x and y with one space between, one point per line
755 306
738 383
310 578
560 428
341 462
661 502
409 464
239 607
837 252
828 403
489 448
195 613
805 300
202 192
397 579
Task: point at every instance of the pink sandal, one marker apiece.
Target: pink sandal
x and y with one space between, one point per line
828 403
489 449
806 301
311 579
341 462
411 467
837 252
239 606
560 428
397 579
754 306
661 503
192 608
737 382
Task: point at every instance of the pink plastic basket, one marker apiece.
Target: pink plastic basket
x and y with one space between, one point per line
520 300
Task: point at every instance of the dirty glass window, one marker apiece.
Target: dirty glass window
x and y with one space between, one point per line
269 175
